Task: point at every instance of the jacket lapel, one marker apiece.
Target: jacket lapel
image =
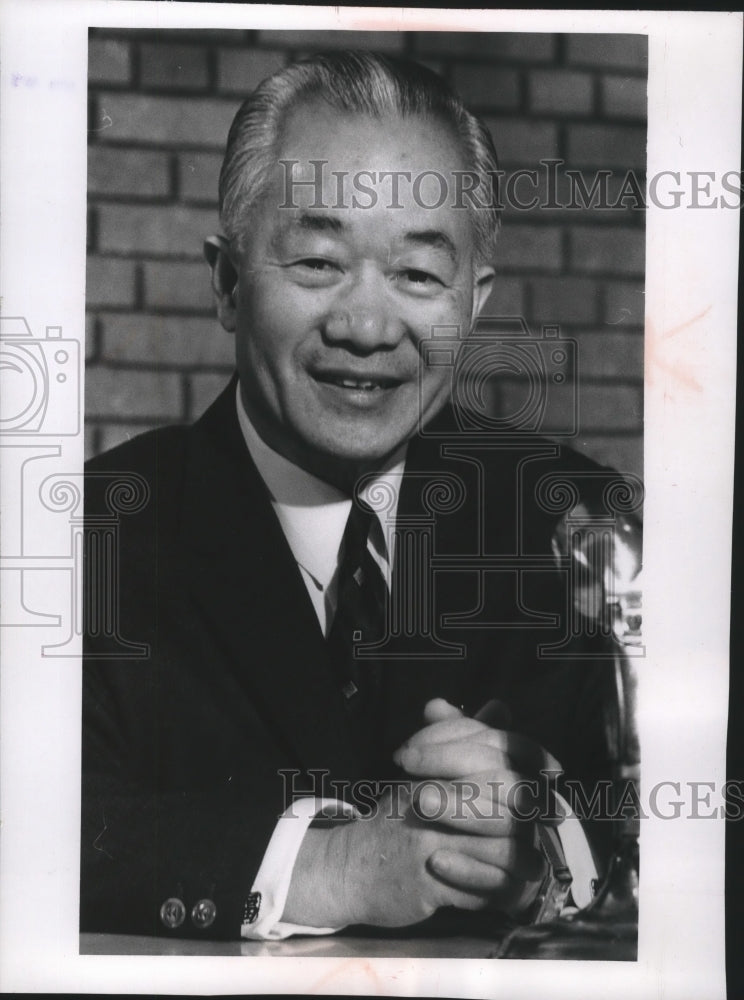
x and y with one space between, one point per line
246 582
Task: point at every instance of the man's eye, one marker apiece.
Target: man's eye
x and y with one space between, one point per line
315 271
316 264
419 280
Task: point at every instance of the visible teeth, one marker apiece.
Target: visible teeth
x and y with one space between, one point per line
349 383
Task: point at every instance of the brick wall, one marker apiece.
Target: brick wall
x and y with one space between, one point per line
160 107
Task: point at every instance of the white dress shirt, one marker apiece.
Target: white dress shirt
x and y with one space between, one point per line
313 516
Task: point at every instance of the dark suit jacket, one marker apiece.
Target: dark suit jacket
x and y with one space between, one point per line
182 748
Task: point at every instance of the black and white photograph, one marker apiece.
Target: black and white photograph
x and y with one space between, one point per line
394 343
353 483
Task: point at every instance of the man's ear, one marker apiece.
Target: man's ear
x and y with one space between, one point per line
483 283
224 279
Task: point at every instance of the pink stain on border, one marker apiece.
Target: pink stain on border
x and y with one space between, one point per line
351 967
655 362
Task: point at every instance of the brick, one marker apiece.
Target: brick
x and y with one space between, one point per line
198 36
519 46
531 248
625 303
625 97
561 92
506 298
170 341
377 41
606 146
610 355
487 87
91 229
173 67
113 392
113 434
92 447
172 231
109 282
521 142
617 196
204 389
519 190
198 177
241 70
514 399
610 408
179 285
134 173
601 408
109 61
167 121
91 338
550 195
627 51
624 453
565 300
614 249
434 65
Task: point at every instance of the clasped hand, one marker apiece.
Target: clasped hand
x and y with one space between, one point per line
462 834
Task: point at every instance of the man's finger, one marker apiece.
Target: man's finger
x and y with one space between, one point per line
445 729
465 871
464 900
494 713
438 709
524 860
485 806
428 755
526 753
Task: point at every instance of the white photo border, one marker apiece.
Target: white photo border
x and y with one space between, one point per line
695 65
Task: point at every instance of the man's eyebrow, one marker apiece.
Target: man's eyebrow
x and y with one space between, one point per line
315 222
433 238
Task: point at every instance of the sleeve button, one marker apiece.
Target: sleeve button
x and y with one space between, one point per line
203 914
172 913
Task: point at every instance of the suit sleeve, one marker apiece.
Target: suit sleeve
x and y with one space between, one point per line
180 790
152 833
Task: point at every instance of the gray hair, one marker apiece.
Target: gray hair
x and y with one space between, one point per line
351 82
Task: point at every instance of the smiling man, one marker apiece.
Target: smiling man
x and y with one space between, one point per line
330 379
300 751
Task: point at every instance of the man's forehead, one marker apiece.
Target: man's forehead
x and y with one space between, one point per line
391 180
408 234
359 140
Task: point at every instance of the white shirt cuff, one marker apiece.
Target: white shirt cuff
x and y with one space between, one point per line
578 855
270 889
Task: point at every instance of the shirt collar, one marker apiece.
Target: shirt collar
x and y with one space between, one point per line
313 513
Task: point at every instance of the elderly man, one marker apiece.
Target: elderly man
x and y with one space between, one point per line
301 750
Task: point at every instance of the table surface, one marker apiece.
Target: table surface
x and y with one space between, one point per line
462 935
331 946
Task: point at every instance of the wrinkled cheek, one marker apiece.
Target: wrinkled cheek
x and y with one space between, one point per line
258 373
435 381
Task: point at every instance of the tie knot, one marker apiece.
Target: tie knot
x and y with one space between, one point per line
358 526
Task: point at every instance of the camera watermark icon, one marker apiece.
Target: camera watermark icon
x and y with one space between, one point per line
59 567
505 381
41 386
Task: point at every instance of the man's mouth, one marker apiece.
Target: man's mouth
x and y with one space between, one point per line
357 383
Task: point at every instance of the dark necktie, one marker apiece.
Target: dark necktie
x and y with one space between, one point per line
360 618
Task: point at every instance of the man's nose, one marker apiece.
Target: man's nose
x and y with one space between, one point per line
363 317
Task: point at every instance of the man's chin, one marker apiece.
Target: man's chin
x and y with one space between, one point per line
343 458
360 453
